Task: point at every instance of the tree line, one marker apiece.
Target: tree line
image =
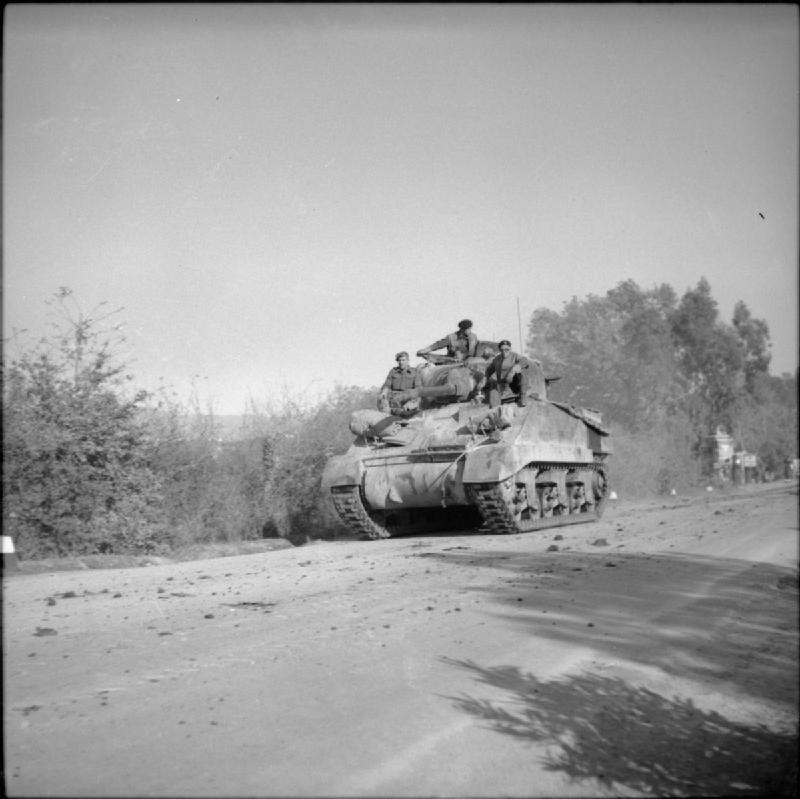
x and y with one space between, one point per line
92 464
667 372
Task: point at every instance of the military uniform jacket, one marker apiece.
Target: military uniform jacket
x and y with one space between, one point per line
502 371
400 379
467 343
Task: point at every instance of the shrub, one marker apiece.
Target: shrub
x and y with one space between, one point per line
74 477
298 443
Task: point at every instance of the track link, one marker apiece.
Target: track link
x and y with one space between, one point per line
500 519
350 506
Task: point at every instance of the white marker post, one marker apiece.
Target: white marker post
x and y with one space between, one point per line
9 555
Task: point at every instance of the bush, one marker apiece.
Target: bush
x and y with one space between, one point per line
298 442
212 489
74 477
89 469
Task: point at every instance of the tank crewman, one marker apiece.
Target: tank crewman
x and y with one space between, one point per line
400 378
510 373
463 341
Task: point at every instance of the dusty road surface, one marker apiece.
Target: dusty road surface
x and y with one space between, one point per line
651 654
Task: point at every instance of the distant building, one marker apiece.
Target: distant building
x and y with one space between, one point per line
745 468
721 445
718 456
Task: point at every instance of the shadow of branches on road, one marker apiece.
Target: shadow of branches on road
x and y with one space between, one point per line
602 728
715 620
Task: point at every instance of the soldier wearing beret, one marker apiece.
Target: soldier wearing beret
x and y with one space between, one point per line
401 378
463 342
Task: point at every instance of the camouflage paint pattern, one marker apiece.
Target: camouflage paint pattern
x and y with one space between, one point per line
461 443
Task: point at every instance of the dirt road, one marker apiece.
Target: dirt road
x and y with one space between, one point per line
653 653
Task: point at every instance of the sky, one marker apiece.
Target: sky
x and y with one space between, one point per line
281 197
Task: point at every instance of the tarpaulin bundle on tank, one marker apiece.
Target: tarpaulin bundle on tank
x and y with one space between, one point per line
374 424
589 416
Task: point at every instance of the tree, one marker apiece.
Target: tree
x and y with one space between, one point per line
666 373
647 363
613 352
711 359
692 323
580 346
767 423
754 336
75 476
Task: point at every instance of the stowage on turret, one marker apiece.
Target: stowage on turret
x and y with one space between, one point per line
438 457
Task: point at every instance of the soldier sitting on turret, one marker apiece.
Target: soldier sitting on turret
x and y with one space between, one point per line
398 384
508 373
463 341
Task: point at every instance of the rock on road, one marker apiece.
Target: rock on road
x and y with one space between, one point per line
652 653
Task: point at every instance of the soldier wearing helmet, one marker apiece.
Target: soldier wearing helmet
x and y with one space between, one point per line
463 342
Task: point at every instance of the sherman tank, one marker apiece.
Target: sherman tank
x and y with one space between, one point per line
439 458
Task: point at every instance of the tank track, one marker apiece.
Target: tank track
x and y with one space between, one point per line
499 519
350 507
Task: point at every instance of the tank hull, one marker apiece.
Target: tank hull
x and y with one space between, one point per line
511 469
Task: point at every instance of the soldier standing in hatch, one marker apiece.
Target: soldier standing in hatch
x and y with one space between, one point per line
510 374
400 378
463 341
